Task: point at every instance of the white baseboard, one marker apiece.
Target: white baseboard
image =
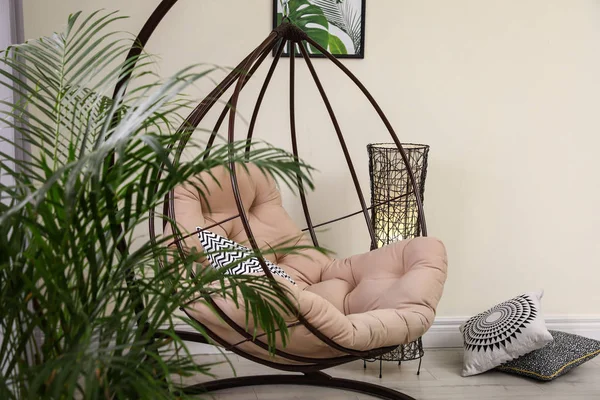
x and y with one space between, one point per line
444 331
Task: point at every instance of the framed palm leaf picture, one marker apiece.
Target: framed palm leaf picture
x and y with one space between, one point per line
337 25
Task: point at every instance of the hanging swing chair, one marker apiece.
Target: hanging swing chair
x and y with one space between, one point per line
348 309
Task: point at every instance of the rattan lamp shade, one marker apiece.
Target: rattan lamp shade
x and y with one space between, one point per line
394 211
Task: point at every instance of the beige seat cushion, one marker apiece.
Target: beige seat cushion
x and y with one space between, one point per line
382 298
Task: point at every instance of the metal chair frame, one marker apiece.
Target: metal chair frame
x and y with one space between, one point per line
311 373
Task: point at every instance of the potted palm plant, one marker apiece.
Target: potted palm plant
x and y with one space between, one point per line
85 313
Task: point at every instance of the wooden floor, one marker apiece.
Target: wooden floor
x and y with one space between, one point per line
440 379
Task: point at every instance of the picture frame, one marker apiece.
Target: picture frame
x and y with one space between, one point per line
337 25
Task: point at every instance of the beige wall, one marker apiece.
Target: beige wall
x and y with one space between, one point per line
507 93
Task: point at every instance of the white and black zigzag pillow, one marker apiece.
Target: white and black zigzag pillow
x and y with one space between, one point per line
222 252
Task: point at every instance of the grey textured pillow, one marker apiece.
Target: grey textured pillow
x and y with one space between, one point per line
566 352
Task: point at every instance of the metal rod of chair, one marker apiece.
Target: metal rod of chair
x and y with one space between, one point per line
342 141
230 78
196 116
303 200
303 230
142 39
319 379
357 212
387 124
246 79
315 364
134 52
224 85
261 95
233 170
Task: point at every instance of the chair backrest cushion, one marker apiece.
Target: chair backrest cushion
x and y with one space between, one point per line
208 199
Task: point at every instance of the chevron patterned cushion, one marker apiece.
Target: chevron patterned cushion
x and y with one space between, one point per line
222 253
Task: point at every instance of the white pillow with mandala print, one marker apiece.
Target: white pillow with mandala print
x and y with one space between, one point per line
222 253
503 333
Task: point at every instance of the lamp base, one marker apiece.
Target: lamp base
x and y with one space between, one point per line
406 352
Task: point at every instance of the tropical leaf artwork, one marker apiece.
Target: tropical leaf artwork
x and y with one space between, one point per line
337 25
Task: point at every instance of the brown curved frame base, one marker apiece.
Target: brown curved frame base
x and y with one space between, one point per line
318 379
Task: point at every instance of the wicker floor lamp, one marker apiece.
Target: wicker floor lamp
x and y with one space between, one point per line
394 213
